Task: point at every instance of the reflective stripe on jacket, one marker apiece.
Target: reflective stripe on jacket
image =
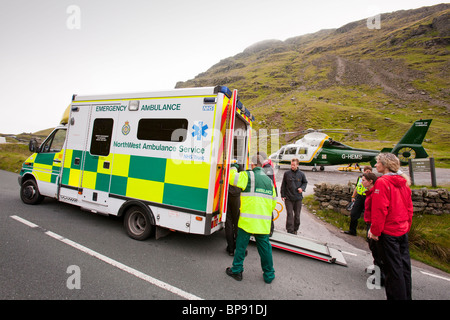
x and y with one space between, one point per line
258 199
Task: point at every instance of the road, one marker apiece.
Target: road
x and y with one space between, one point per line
56 251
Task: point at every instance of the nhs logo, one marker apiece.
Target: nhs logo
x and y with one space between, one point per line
208 108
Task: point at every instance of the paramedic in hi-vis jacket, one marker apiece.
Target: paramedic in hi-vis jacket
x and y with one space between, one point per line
258 200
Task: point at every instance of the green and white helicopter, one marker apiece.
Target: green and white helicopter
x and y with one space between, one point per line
318 149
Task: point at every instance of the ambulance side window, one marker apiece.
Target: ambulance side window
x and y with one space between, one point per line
174 130
101 137
55 142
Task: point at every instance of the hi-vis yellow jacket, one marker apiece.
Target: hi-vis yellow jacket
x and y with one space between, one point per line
258 199
360 189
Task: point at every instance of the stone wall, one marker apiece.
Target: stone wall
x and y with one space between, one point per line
431 201
425 201
334 196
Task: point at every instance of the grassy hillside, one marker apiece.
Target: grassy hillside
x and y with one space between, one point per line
15 151
374 81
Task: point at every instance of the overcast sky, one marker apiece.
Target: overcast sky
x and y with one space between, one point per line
51 49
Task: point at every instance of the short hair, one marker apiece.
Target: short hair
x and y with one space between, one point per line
367 168
296 160
370 176
390 161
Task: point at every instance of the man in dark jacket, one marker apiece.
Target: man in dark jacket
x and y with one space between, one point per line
292 187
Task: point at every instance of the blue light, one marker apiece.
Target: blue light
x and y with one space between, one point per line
224 90
227 92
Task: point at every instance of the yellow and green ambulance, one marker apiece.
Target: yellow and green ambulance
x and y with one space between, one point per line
160 159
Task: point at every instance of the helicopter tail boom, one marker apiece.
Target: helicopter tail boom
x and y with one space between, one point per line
410 145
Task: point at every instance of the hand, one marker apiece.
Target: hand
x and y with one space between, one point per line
353 199
300 190
234 165
371 236
284 199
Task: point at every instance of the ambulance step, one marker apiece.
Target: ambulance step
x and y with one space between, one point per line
306 247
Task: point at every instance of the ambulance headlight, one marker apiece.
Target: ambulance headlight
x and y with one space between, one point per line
133 105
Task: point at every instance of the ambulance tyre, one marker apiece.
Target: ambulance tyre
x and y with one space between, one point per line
138 224
29 192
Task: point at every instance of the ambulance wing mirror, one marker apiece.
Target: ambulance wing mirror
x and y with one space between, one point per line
33 146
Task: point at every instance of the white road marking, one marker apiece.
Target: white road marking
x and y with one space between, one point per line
114 263
434 275
26 222
350 253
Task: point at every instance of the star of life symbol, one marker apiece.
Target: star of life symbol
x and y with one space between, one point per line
199 130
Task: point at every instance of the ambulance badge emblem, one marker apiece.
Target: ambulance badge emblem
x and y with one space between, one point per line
126 128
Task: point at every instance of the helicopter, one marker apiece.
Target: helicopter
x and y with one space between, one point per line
318 149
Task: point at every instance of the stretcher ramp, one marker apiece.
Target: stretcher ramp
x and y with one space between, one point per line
307 247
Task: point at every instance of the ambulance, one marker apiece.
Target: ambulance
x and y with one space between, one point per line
159 159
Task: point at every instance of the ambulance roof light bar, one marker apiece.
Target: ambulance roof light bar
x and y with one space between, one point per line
240 106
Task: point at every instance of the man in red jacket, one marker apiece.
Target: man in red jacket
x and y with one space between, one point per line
391 217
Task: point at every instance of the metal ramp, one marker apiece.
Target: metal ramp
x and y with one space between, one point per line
306 247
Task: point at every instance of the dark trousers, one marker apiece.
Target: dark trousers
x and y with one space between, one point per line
234 203
264 250
357 210
397 266
293 210
374 247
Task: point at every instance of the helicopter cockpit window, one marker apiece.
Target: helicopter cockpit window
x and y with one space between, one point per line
336 143
291 150
302 151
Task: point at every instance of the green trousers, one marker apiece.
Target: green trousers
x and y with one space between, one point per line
264 250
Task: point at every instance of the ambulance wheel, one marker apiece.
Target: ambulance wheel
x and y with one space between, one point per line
29 192
138 224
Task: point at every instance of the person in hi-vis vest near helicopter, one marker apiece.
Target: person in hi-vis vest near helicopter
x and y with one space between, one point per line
358 199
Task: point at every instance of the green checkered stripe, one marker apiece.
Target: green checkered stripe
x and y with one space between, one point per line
43 166
144 179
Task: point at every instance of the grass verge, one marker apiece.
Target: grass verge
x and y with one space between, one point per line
12 156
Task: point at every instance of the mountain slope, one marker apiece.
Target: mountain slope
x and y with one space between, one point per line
375 81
